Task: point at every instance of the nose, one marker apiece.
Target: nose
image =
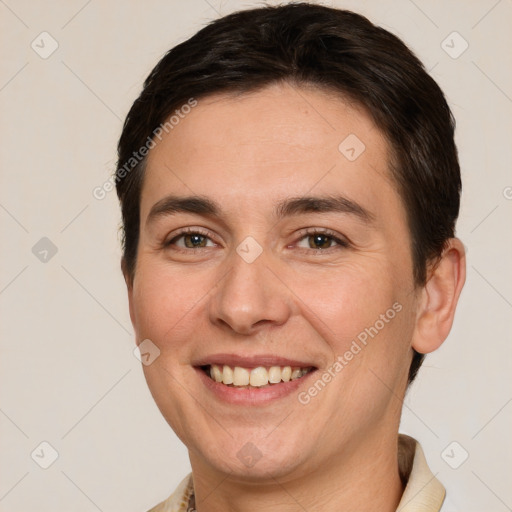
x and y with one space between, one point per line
250 296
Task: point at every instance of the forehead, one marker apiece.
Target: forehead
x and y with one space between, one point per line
281 140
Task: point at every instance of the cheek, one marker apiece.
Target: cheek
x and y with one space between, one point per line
163 301
345 301
366 318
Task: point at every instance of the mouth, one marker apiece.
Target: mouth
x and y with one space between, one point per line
259 377
252 379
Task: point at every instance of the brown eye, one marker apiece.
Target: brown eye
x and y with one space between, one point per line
190 240
194 240
320 241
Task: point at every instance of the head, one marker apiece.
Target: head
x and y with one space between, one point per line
266 124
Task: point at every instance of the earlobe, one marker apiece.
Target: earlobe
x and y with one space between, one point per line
439 297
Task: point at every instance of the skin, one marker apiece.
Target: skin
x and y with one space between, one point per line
295 300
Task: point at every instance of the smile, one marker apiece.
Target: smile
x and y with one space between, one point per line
258 377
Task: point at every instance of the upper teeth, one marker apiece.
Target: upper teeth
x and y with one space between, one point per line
256 377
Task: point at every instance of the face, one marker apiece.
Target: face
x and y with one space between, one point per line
270 242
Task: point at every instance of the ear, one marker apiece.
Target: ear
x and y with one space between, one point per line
128 279
439 297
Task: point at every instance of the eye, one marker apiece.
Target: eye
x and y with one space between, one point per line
191 239
321 240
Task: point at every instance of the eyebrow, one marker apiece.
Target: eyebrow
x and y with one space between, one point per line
200 205
190 204
323 204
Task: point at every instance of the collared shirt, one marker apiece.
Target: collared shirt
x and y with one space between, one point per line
423 492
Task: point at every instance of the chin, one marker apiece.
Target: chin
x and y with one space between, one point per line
253 458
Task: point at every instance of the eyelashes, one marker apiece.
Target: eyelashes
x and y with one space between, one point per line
193 233
317 240
317 235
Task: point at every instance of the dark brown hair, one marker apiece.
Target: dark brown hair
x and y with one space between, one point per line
334 50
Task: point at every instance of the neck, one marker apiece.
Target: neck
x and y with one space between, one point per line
363 479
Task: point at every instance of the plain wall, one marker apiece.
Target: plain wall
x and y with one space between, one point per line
68 375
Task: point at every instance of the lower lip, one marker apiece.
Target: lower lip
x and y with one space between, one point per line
252 396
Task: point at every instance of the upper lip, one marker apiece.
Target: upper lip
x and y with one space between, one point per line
251 361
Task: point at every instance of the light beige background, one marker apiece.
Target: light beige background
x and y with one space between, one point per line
68 373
